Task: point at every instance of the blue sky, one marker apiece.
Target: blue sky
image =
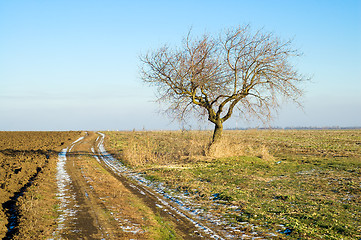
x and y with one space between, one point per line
68 65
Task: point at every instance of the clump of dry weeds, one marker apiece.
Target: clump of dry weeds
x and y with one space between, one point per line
164 147
177 147
234 145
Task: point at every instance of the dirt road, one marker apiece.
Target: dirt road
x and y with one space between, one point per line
102 199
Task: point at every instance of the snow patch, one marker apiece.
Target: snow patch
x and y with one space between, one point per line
64 183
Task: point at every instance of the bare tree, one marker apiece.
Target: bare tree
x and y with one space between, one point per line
239 70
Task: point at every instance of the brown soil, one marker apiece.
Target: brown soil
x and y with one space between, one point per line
26 179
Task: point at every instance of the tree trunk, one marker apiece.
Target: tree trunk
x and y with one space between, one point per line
217 133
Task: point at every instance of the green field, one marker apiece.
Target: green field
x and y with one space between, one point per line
295 183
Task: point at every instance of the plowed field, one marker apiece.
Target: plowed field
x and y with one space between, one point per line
27 161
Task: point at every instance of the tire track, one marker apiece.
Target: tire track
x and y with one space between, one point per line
76 219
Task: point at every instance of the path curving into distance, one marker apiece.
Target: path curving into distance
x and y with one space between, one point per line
102 199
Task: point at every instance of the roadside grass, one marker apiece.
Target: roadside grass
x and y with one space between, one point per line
299 184
119 203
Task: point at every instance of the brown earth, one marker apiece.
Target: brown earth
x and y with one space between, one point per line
27 183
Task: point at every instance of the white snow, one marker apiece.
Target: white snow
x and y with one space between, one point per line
64 182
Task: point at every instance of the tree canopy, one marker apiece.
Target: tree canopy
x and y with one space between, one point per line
238 70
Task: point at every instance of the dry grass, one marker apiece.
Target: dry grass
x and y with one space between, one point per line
307 181
165 147
177 147
232 145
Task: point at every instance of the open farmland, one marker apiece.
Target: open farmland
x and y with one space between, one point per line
66 186
168 185
27 182
279 184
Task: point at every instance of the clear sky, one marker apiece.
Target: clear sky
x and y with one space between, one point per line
69 65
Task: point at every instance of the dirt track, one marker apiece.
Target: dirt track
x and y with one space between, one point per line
103 200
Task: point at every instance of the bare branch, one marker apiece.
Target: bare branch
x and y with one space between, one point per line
213 76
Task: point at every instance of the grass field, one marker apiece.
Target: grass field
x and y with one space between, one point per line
297 184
